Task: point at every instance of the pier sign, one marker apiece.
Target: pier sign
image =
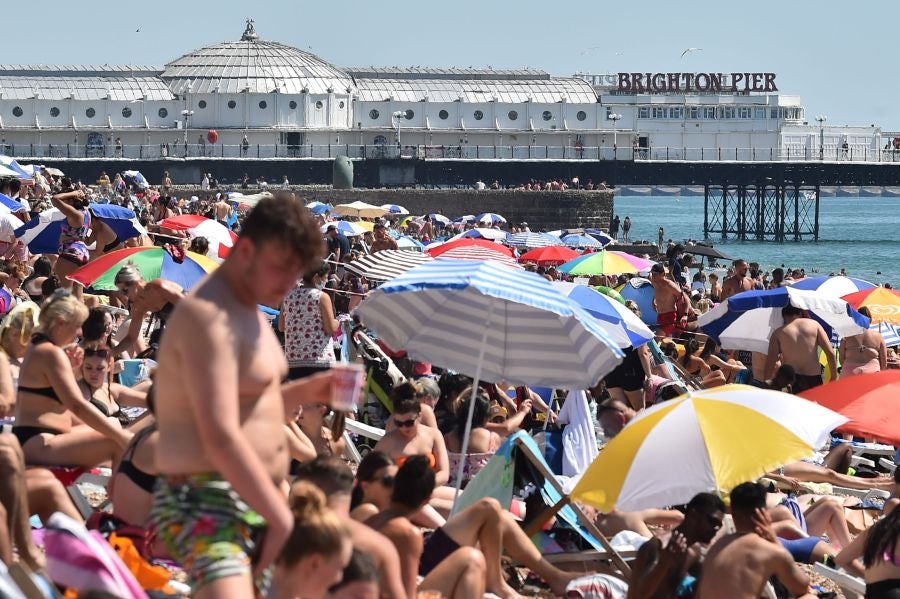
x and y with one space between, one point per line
696 82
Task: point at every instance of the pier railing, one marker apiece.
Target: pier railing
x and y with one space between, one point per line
30 152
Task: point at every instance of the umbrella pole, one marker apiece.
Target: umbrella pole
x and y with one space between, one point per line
465 439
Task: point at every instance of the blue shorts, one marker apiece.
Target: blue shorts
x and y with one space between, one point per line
800 549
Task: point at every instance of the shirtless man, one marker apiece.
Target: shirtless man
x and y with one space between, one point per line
795 343
665 295
738 282
739 564
221 407
335 479
663 565
383 241
223 210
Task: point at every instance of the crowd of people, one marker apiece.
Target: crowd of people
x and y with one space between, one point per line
228 457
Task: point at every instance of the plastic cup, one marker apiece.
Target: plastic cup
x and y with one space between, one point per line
346 380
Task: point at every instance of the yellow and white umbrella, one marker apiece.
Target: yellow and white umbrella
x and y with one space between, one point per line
359 210
710 440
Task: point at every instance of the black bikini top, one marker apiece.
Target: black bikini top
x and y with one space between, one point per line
47 392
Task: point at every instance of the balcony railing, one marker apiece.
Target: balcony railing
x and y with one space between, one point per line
32 152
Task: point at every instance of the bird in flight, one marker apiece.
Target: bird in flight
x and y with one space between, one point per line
138 30
687 50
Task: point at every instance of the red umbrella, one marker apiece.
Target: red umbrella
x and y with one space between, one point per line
549 256
479 253
870 401
468 242
221 238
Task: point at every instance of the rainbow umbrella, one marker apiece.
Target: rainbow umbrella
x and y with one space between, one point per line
710 440
883 304
152 262
606 262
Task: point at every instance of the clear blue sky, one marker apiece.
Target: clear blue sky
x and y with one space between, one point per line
839 57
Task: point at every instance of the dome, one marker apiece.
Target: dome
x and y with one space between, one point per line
254 66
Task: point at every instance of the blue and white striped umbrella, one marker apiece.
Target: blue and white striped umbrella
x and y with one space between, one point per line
395 209
8 204
481 233
533 240
464 220
623 326
581 241
318 207
833 286
438 218
746 320
41 233
489 218
601 236
888 331
450 312
405 242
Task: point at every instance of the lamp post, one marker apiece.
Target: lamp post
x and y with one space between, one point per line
615 118
399 115
186 117
821 120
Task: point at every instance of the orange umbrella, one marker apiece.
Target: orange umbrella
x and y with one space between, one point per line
884 304
549 256
870 401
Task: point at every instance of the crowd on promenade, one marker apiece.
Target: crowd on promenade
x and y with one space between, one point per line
213 411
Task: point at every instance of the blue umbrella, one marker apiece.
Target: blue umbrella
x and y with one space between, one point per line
11 204
581 241
640 291
439 218
41 233
395 209
601 236
833 286
405 242
489 218
622 325
464 220
318 207
747 320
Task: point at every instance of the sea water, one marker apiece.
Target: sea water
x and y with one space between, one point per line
861 235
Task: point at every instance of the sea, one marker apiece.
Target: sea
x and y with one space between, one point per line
861 235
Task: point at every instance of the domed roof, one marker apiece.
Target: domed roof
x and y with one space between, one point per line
254 66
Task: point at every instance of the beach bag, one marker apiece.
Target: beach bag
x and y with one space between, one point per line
150 577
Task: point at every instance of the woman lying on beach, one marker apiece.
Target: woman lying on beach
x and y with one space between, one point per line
48 396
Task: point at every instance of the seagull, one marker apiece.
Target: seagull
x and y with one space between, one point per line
138 30
690 50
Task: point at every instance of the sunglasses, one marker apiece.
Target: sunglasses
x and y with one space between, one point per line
100 353
405 423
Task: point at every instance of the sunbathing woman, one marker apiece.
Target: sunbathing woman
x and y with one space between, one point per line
483 443
98 388
49 396
417 390
412 438
156 298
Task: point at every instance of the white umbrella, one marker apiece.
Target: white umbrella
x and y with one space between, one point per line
490 234
386 264
359 209
394 209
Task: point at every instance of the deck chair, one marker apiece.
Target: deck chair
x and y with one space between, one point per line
496 480
850 585
887 464
363 430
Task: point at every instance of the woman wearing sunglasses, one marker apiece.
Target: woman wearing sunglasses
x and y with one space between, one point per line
155 300
98 388
48 396
374 485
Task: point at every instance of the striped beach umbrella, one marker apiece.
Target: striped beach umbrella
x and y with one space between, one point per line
483 243
481 233
221 238
41 233
623 326
152 262
386 265
581 241
533 240
318 207
833 286
438 218
346 227
476 252
490 218
705 441
394 209
605 262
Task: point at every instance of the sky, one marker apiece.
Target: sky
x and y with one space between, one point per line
839 57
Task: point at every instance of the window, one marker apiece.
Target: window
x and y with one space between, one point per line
513 115
659 112
745 112
774 113
644 112
319 105
409 114
232 104
292 105
90 113
341 104
443 115
709 112
262 105
547 115
163 113
380 140
17 111
373 114
759 113
581 115
728 112
478 115
201 104
696 112
126 112
676 112
54 112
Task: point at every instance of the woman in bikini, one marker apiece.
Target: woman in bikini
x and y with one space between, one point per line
97 387
374 485
483 443
879 548
157 298
73 234
863 353
48 396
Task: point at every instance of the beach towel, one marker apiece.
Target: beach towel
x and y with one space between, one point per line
579 439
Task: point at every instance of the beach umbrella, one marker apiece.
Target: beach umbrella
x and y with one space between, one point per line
492 323
152 262
8 204
345 227
746 321
54 171
134 178
489 218
386 265
601 236
438 218
479 253
832 286
883 304
605 262
621 324
17 170
640 291
888 332
41 233
359 210
394 209
405 242
533 240
464 220
221 238
481 233
318 207
249 201
871 402
581 241
709 440
468 242
549 256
